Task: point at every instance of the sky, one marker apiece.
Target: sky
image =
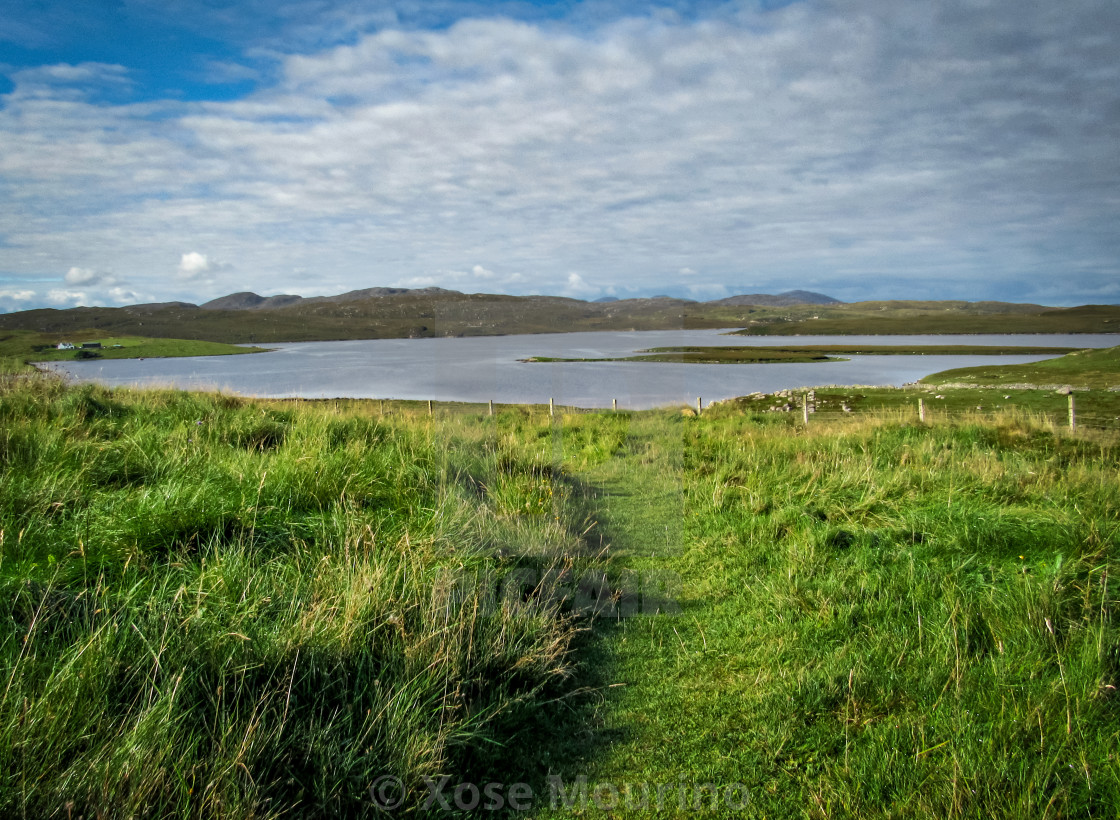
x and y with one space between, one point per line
157 150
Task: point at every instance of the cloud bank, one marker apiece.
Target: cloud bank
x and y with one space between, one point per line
868 149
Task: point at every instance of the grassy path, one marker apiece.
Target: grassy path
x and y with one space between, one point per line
662 728
880 620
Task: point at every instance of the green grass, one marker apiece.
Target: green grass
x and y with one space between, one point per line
19 347
222 607
1027 391
877 619
1083 368
908 317
1094 407
218 607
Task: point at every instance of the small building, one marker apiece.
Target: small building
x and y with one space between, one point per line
91 345
65 346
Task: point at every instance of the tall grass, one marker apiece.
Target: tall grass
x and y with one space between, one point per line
215 607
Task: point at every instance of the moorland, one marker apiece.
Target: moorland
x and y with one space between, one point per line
380 313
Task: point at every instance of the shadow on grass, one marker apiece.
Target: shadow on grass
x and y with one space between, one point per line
556 739
634 501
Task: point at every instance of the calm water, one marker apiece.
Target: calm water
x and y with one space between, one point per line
479 369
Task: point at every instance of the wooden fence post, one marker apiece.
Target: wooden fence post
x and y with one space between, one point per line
429 407
1072 415
699 405
491 407
922 410
805 409
614 405
551 408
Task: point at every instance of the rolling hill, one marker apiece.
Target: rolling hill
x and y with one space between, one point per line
374 313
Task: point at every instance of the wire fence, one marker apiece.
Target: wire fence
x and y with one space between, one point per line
1042 408
1058 421
1066 413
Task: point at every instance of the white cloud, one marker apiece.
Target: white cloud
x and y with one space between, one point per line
193 263
69 298
67 81
17 299
579 287
453 279
80 277
224 71
124 296
199 267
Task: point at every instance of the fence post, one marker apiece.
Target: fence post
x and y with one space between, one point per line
922 410
551 408
491 407
699 405
805 408
614 405
429 407
381 407
1072 415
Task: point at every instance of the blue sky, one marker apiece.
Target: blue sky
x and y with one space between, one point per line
185 149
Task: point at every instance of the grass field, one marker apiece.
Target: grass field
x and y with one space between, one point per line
1083 368
905 317
221 607
215 607
19 347
1095 408
877 619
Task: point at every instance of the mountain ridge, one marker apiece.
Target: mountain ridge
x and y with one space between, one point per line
248 300
784 299
384 313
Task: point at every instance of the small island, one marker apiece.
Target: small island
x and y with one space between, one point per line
765 354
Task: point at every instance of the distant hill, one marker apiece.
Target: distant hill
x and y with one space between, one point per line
383 313
247 300
250 301
789 297
153 307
